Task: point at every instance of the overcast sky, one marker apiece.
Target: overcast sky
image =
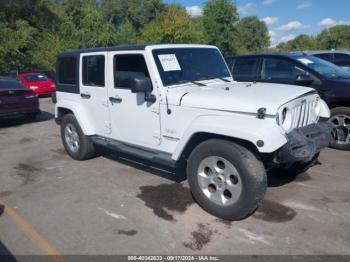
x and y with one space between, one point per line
286 18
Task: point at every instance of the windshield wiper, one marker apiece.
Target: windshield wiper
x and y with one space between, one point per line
210 78
224 79
188 81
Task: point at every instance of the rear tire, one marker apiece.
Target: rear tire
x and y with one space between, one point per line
77 145
340 116
226 179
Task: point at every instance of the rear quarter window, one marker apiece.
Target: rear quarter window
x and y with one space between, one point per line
67 68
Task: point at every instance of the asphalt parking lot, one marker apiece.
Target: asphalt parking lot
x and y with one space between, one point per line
115 205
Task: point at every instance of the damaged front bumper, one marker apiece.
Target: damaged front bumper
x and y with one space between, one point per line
304 143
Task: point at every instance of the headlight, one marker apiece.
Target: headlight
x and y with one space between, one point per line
285 119
33 87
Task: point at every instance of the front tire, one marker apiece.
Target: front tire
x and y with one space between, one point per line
77 145
340 116
226 179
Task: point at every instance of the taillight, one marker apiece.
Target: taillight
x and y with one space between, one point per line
52 85
30 95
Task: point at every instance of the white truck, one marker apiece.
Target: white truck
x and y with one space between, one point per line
174 104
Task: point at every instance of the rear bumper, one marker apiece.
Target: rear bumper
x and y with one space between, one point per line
304 143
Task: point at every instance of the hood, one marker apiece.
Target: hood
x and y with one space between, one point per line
236 97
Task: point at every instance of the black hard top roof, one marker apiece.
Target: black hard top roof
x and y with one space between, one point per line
104 49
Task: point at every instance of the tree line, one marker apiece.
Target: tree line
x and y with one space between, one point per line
336 37
32 32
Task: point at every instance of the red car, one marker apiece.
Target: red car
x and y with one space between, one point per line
37 82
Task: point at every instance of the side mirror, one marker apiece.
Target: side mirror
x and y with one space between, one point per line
140 84
303 80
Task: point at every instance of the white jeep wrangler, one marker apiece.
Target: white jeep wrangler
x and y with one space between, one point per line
175 104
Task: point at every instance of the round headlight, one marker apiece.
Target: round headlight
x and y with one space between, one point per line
286 119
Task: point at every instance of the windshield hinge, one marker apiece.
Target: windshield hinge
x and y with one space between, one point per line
261 113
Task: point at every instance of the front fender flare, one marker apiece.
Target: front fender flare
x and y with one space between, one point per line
244 127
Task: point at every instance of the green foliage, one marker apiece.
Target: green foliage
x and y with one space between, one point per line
92 30
301 42
253 35
219 20
337 37
173 26
15 41
34 31
136 12
126 34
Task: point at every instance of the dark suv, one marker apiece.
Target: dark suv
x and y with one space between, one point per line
340 58
331 82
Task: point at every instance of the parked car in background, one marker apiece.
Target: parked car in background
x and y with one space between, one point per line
331 82
340 58
38 82
16 100
49 73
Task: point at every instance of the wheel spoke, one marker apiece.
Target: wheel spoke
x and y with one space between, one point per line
204 181
235 190
219 180
216 197
72 137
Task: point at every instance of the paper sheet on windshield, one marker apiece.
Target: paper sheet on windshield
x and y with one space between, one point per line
169 62
305 61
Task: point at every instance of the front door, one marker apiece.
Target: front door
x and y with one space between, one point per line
133 119
93 90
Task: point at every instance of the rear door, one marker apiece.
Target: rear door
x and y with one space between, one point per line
93 89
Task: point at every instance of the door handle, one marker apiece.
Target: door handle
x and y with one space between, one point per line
116 99
85 96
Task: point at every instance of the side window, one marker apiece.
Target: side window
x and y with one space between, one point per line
127 67
67 70
280 71
94 70
245 69
342 59
325 56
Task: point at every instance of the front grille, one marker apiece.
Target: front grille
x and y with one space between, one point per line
304 114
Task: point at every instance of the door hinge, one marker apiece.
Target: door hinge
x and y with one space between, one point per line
108 127
156 135
155 110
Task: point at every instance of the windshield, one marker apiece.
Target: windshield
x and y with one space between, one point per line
324 68
182 65
36 78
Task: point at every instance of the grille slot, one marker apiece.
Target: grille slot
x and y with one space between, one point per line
303 114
